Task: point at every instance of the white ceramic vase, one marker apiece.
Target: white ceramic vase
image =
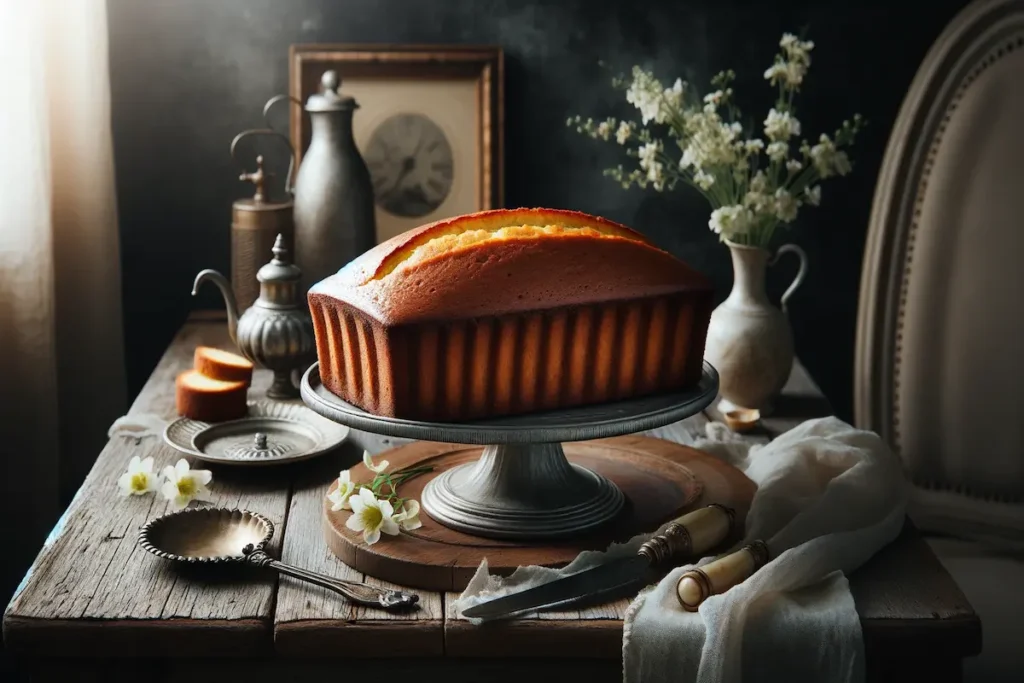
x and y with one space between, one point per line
749 340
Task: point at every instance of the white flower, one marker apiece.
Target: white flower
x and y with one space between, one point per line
376 469
794 166
623 133
786 206
812 195
183 485
758 202
787 41
341 494
371 516
777 151
409 518
790 74
655 103
604 129
731 220
828 160
647 95
711 142
672 99
753 146
703 180
714 98
776 72
139 479
759 183
781 125
796 50
648 156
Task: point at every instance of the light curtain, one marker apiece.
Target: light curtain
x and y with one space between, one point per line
62 378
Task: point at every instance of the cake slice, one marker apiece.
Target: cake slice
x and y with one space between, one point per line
209 400
222 365
509 311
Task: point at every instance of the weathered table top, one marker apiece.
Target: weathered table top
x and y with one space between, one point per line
92 592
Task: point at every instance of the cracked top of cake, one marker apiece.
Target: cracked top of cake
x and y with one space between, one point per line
506 261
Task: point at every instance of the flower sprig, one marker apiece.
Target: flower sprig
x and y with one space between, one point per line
755 180
178 483
376 507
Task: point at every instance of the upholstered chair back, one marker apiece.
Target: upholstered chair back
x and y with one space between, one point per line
940 347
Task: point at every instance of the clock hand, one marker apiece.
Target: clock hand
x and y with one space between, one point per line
419 146
406 169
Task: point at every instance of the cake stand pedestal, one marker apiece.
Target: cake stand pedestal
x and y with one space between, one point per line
522 486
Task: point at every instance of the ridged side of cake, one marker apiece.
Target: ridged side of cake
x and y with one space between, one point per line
512 364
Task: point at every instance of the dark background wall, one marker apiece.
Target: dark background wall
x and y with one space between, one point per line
187 75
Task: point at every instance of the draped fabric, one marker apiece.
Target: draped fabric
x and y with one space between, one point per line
62 378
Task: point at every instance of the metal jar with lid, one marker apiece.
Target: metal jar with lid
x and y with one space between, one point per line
333 195
256 222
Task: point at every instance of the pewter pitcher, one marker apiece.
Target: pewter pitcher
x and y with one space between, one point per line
334 204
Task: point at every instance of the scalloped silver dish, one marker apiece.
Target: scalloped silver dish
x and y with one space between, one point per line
273 433
205 535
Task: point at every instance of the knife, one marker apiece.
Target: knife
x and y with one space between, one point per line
688 536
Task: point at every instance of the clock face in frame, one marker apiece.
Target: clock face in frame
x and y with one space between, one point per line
410 163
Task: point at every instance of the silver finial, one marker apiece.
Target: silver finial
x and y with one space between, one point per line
280 251
329 82
261 441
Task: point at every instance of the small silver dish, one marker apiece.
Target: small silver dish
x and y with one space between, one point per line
206 535
272 433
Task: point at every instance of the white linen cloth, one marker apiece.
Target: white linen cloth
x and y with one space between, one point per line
829 497
137 426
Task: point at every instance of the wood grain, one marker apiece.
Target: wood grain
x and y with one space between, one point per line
310 619
91 593
91 581
661 480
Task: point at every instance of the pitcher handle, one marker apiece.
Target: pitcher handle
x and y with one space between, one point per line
798 280
270 133
291 144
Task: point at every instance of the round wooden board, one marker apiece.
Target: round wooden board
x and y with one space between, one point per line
660 479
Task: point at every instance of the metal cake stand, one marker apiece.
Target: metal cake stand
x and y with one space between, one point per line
522 486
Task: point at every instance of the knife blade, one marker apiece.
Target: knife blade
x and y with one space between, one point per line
688 536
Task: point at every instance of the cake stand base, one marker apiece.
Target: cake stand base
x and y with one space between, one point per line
522 491
660 480
523 486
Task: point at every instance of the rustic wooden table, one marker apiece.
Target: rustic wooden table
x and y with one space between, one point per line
93 595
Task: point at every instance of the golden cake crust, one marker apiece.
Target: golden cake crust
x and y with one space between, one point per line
512 275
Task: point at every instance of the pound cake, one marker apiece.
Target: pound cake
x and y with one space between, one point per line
509 311
210 400
222 365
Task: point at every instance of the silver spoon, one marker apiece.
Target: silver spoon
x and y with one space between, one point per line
208 535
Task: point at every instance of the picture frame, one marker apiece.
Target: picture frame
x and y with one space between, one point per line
438 106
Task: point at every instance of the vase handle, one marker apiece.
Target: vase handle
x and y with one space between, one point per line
798 280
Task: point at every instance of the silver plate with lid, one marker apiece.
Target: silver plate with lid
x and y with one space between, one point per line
274 432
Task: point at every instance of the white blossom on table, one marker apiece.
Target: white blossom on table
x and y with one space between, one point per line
755 178
182 485
371 516
140 478
339 497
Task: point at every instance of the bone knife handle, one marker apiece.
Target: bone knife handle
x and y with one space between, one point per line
718 576
691 535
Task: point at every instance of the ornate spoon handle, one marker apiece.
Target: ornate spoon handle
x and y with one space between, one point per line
359 593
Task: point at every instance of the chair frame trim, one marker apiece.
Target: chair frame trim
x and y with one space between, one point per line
976 38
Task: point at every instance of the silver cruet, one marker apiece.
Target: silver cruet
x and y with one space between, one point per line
276 332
